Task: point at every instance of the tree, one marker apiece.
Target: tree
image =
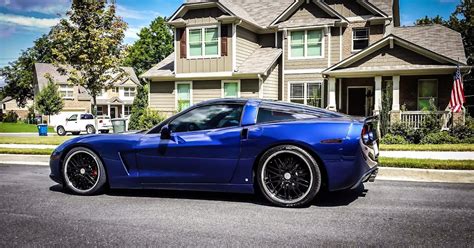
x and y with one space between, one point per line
154 44
19 74
427 20
89 43
49 101
140 104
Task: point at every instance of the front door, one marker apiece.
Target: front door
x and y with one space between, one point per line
357 103
113 112
204 147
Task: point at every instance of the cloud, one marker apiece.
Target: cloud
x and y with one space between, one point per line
448 1
131 32
135 14
6 30
42 6
28 21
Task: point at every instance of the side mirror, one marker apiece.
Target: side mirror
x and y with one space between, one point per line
67 119
165 133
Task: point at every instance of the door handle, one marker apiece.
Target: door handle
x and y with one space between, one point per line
244 134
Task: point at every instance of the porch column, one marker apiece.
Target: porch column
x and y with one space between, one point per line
378 95
123 111
395 113
108 111
332 94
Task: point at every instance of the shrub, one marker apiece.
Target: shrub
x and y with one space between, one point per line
391 139
469 140
411 135
11 117
461 132
439 138
149 119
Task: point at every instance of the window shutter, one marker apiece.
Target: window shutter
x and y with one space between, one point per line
182 42
224 34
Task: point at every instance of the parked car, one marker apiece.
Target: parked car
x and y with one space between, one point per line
104 124
78 123
287 151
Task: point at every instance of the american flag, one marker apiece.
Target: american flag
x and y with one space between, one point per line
457 94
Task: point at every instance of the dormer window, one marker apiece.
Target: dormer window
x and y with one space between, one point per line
306 44
203 42
360 38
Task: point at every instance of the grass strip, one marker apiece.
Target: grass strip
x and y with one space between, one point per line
40 140
429 147
20 127
427 163
26 151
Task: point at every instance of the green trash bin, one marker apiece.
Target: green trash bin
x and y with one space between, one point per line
119 125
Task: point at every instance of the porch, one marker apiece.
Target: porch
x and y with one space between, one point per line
114 107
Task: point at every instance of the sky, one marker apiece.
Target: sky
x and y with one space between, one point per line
23 21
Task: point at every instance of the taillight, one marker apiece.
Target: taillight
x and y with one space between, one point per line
367 135
100 121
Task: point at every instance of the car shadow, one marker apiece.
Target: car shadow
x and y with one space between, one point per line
323 199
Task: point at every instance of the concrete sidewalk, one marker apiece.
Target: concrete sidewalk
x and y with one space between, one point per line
27 146
428 155
24 134
385 173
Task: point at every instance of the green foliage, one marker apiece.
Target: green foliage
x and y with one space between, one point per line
461 132
10 117
89 42
140 103
150 118
428 20
386 106
439 138
49 101
431 122
19 74
153 45
182 105
411 135
391 139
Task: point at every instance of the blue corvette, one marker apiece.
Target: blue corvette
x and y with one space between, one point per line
286 151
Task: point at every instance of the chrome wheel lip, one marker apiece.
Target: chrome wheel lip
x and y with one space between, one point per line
273 196
66 178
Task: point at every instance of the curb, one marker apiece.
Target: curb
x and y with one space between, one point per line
425 175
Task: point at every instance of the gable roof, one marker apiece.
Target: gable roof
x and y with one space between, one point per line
260 61
436 38
164 68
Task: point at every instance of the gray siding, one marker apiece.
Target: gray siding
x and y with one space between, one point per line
247 43
162 96
302 78
205 90
347 8
202 16
249 88
270 85
335 45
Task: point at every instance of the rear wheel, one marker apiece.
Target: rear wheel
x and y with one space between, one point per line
83 172
90 129
288 176
61 131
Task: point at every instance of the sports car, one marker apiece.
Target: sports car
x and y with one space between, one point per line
287 152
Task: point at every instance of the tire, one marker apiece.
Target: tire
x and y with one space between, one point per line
288 176
76 133
61 131
104 131
90 129
83 172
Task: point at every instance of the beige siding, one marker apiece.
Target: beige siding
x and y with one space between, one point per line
376 33
202 16
206 90
396 56
271 85
347 8
247 43
162 96
249 88
317 63
308 11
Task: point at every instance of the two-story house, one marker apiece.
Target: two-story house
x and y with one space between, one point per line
114 102
335 54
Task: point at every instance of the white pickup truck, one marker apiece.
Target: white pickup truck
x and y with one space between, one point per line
78 123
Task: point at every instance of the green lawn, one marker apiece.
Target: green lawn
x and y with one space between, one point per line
40 140
427 163
26 151
20 127
440 147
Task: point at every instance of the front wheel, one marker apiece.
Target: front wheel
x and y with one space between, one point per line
90 129
83 172
288 176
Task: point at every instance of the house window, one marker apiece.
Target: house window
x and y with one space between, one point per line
127 110
203 42
183 95
309 93
66 91
100 110
427 90
230 89
115 89
129 91
360 38
306 44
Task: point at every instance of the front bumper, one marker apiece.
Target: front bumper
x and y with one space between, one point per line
55 167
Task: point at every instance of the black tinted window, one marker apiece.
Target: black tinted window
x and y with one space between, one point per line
207 117
87 117
271 115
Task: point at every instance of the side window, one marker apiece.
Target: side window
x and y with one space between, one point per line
73 118
272 115
208 117
87 117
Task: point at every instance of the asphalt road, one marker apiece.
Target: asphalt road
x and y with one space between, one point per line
34 211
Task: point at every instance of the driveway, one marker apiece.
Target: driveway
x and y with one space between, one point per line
35 211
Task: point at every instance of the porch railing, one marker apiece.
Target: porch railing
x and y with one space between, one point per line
415 119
